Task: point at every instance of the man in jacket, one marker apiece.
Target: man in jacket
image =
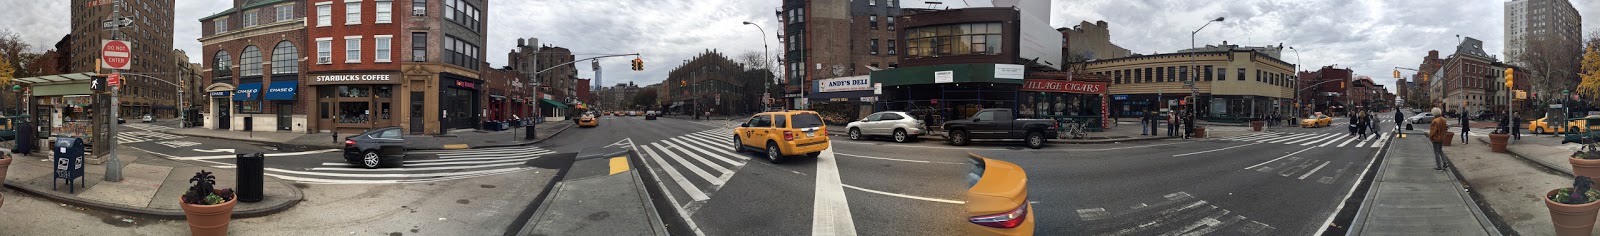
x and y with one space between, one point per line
1437 133
1465 126
1516 133
1144 126
1399 117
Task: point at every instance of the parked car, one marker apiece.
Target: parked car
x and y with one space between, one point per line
1420 118
1000 124
121 121
783 134
651 115
375 148
1316 120
147 118
997 198
896 124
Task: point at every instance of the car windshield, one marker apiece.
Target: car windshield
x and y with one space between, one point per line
805 120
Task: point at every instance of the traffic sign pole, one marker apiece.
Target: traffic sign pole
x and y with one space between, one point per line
113 164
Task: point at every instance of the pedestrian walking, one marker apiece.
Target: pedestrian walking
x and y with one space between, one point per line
1466 125
1144 127
1399 117
1172 123
1516 132
1360 122
1188 124
1372 123
1437 134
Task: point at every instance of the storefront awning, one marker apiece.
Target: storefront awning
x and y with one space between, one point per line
246 91
497 97
554 103
281 90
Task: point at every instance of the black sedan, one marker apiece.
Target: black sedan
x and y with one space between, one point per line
377 147
650 116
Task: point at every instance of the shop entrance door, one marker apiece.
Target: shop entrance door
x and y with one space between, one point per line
285 115
224 120
416 113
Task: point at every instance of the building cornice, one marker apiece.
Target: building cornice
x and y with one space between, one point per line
258 30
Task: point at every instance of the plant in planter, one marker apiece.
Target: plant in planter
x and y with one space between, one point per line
1572 210
207 209
1586 161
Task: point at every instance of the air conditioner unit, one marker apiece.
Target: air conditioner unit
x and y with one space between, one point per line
324 60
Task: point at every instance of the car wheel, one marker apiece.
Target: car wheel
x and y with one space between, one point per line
1539 130
959 138
371 160
773 154
737 145
1035 140
814 154
855 133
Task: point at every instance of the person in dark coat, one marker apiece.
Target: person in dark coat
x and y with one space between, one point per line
1399 117
1188 125
1360 123
1465 126
1516 133
1144 126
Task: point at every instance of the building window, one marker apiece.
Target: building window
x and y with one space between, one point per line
284 12
324 51
419 7
1172 74
450 9
249 18
250 61
324 14
352 49
285 59
891 22
956 39
872 2
1241 74
221 25
873 21
384 11
352 13
891 47
380 48
419 46
874 45
800 14
1208 73
222 67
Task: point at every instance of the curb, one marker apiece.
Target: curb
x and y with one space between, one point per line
296 194
558 132
1551 166
335 146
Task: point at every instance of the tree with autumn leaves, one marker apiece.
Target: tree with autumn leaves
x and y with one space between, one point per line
1590 73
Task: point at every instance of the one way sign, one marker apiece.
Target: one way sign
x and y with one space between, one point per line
114 23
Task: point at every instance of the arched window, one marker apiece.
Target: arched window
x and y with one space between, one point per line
285 59
222 67
250 61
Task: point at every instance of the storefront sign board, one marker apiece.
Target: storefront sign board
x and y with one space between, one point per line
1062 86
1008 71
944 77
853 83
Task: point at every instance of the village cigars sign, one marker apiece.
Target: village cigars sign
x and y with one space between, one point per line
1063 86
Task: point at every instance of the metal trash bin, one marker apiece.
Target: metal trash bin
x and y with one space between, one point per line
531 131
250 167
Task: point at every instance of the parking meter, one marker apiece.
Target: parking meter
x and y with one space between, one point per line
68 160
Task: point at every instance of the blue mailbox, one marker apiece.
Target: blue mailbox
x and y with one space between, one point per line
68 162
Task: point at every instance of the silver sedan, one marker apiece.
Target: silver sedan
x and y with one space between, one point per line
896 124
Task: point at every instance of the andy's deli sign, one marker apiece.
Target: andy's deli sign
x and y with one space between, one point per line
1063 86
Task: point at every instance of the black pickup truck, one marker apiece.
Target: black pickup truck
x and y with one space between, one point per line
1000 124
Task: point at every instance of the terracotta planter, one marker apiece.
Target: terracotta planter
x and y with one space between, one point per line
1449 139
1571 220
209 219
1497 142
1256 125
1200 132
1585 167
4 165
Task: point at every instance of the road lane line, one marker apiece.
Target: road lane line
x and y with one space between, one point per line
905 196
703 152
1092 214
1276 159
893 159
1383 140
830 211
1352 191
1213 150
689 188
723 148
688 164
1319 140
477 158
1166 216
1314 170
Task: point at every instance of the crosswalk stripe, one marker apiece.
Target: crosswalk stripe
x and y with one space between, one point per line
1291 140
1248 136
1275 139
409 168
688 188
1313 137
1346 142
703 152
1267 137
1331 142
1370 143
492 154
1319 140
714 146
687 164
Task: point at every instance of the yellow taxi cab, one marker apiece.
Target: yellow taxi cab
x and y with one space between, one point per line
588 120
1542 125
781 134
1316 120
997 198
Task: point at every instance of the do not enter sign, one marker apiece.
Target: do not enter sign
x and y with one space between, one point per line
115 54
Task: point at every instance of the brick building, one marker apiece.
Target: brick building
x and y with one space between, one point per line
247 51
708 82
1324 90
835 38
557 85
1465 77
150 37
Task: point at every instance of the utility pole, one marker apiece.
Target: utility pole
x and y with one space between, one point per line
114 165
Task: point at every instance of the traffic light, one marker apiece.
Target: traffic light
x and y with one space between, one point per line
1397 74
1510 77
638 64
1424 78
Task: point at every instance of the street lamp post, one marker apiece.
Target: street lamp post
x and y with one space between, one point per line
765 89
1194 91
1297 107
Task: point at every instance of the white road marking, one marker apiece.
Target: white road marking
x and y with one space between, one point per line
267 155
689 188
830 214
691 166
1359 178
1319 140
905 196
1314 170
1092 214
713 155
893 159
1330 142
1276 159
681 212
374 175
1213 150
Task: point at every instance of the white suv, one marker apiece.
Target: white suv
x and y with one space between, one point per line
899 125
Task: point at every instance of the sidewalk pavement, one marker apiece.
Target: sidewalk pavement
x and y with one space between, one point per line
1123 133
1408 197
1512 187
1545 150
599 182
460 139
150 187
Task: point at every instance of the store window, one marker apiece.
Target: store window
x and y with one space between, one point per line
354 112
285 59
956 39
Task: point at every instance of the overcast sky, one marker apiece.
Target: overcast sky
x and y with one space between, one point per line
1370 36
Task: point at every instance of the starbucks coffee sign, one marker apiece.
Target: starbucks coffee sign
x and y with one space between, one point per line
353 79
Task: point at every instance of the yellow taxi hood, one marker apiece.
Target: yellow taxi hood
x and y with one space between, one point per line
1003 187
